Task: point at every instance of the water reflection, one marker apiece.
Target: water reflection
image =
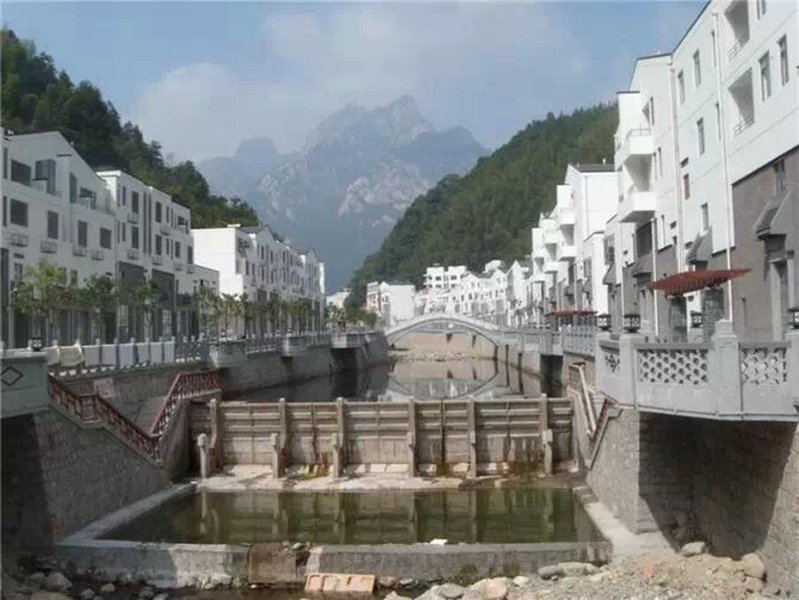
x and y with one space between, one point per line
509 515
423 380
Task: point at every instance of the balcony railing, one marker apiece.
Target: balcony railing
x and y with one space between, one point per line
745 123
133 217
79 250
49 246
723 379
133 254
157 260
18 239
97 255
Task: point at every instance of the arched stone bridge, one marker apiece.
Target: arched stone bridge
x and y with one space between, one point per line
445 321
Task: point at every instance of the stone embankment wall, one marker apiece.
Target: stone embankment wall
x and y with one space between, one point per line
268 369
59 474
737 484
435 437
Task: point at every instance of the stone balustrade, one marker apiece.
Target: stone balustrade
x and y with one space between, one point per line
723 379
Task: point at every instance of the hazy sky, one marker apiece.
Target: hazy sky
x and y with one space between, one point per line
200 77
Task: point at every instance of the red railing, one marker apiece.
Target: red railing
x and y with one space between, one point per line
93 407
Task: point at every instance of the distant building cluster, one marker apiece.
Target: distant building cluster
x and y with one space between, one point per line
107 223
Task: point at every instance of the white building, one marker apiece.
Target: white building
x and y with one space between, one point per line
444 278
339 298
57 209
391 302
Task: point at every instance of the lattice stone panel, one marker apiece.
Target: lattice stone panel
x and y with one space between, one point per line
681 367
763 366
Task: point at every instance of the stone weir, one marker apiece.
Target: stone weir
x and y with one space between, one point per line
80 443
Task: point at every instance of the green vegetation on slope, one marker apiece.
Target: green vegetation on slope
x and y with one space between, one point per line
35 97
488 213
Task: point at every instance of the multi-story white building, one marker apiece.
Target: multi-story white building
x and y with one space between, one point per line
568 259
706 155
58 210
444 278
254 264
391 302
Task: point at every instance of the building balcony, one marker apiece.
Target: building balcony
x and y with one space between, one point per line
49 246
97 255
551 237
567 252
133 218
178 266
79 250
18 239
157 259
636 206
637 143
550 266
133 254
165 229
189 268
720 380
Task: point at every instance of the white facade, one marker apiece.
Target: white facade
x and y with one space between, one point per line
443 278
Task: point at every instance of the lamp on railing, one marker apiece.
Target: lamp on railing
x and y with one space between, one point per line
793 317
36 343
631 322
603 321
696 319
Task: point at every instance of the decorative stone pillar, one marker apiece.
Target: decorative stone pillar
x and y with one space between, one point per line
202 448
724 370
678 320
712 309
628 368
792 337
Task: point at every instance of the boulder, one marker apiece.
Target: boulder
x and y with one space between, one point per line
693 549
572 569
36 579
108 588
388 581
87 594
753 566
496 589
521 581
161 596
57 582
550 571
753 584
41 595
451 591
407 582
396 596
147 593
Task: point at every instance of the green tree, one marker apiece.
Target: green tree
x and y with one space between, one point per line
206 305
42 293
98 295
147 297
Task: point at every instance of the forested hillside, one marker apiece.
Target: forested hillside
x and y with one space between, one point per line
37 97
488 213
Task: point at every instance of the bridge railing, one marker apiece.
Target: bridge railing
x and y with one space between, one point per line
722 379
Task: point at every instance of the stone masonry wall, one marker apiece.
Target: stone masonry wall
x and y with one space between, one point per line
87 472
746 492
614 477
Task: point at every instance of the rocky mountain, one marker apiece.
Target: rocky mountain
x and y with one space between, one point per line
357 172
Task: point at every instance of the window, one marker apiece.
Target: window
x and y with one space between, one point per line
52 225
177 249
83 233
18 213
124 196
718 121
765 77
105 238
686 187
5 163
697 69
713 43
158 244
18 271
157 212
780 184
761 8
20 172
190 254
73 277
73 188
45 171
681 86
134 202
651 111
700 135
134 237
124 232
5 211
660 162
783 46
705 219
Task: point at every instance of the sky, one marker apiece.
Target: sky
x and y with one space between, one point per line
199 77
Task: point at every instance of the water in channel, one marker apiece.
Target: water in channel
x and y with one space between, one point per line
516 514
